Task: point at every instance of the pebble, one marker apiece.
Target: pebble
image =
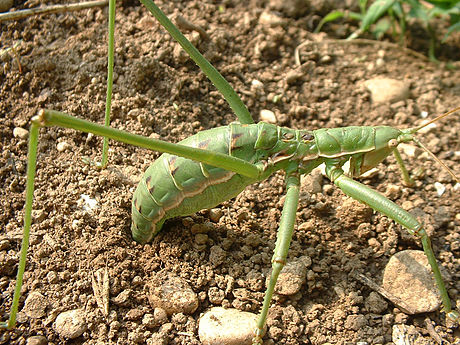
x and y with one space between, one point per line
35 305
270 19
386 90
215 214
440 188
220 326
71 324
312 183
20 133
292 276
62 146
267 116
172 293
292 77
5 5
408 276
37 340
407 335
217 255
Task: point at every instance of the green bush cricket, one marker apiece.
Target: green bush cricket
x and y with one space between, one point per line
247 153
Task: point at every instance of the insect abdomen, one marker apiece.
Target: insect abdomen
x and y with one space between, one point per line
174 186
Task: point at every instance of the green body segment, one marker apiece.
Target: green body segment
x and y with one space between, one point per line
174 186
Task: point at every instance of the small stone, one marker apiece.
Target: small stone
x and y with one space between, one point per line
407 335
270 19
35 305
292 276
37 340
217 255
71 324
160 315
124 298
20 133
292 77
214 327
408 276
386 90
62 146
201 238
355 322
215 214
172 293
267 116
440 188
5 5
375 303
311 183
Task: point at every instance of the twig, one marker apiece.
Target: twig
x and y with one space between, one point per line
384 44
432 332
395 300
51 9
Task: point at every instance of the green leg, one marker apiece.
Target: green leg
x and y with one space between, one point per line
408 181
283 242
209 70
387 207
108 100
55 118
31 166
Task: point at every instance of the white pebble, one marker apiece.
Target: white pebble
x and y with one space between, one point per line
267 116
386 90
440 188
71 324
220 326
21 133
89 204
62 146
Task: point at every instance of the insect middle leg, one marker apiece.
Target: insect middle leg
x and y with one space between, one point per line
283 242
378 202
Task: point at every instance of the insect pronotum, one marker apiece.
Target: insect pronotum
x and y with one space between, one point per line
215 165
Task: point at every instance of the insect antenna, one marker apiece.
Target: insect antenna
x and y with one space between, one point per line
451 173
416 141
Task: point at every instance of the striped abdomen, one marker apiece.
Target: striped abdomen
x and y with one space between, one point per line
174 186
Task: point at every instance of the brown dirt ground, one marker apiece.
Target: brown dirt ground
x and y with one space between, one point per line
159 92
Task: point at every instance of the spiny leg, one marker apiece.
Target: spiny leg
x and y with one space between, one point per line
387 207
283 242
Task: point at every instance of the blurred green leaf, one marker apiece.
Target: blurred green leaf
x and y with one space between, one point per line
334 15
374 12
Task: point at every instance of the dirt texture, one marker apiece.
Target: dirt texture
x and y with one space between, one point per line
160 92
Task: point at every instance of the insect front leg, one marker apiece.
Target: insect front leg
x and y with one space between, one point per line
378 202
283 242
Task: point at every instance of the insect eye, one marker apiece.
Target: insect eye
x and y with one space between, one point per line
393 143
